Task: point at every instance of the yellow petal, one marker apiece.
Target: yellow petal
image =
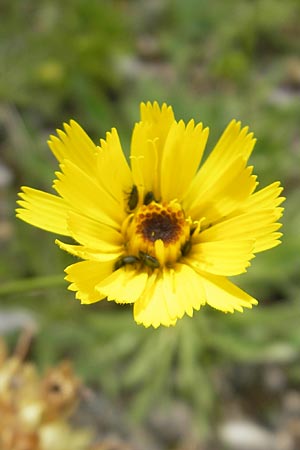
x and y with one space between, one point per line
114 173
235 144
168 296
224 295
43 210
266 198
160 119
84 276
219 199
93 234
147 144
124 285
259 227
144 158
151 308
75 145
181 158
88 197
184 291
90 254
227 258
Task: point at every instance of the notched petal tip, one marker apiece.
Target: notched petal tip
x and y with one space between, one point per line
152 111
234 124
61 134
75 124
155 324
25 190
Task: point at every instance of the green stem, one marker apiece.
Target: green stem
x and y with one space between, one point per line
31 284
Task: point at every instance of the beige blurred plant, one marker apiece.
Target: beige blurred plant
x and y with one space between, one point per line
34 409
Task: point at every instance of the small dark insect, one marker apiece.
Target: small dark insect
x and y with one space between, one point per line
149 260
186 248
130 259
149 197
133 198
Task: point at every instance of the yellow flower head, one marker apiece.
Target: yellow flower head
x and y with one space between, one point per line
162 233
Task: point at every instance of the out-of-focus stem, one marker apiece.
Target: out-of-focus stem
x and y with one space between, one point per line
31 284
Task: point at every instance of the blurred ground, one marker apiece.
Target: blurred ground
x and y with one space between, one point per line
228 382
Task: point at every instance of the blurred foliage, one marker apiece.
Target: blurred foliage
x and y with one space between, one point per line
95 61
57 57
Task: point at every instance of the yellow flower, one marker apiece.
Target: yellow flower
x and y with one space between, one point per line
161 233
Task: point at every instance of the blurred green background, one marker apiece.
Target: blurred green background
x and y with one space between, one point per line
94 61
